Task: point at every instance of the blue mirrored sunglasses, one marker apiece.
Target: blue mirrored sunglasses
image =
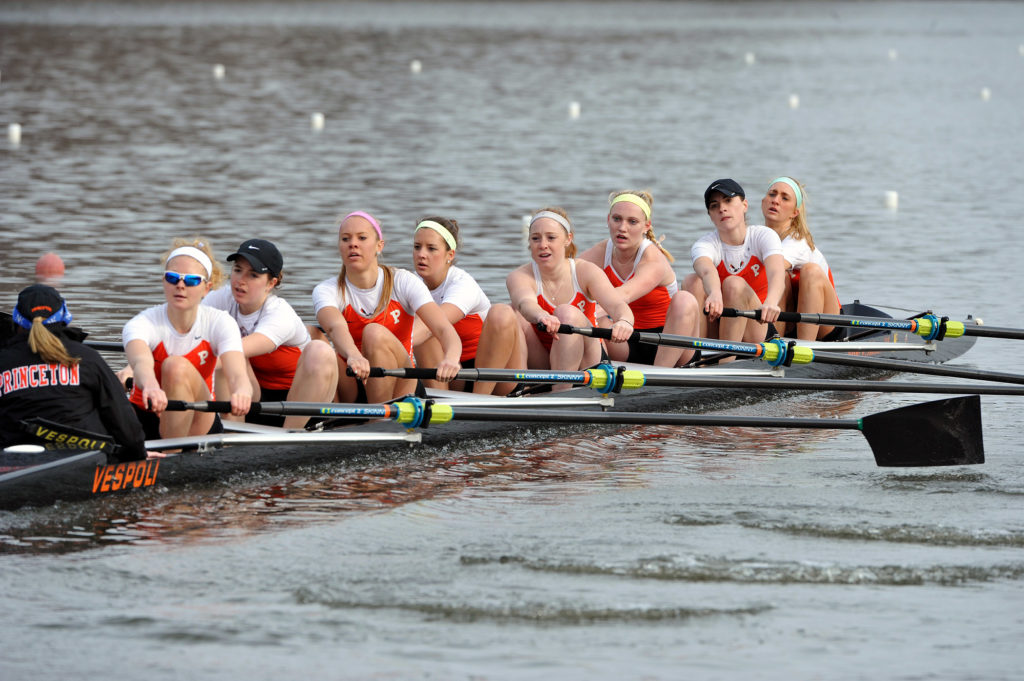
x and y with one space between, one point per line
173 278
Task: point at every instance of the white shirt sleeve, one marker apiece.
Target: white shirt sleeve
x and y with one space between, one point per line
462 291
141 327
326 294
223 332
764 241
281 324
796 252
410 291
708 246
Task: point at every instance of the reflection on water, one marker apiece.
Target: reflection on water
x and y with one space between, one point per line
570 465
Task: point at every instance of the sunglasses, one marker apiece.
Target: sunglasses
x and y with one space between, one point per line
190 280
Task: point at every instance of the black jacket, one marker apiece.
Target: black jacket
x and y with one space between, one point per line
88 397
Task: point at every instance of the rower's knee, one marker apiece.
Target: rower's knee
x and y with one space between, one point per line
811 274
502 318
319 357
570 314
735 291
176 370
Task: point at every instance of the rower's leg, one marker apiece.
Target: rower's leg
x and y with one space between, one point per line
383 349
617 352
695 287
570 352
348 386
180 381
681 320
502 345
316 379
736 292
220 387
816 297
429 353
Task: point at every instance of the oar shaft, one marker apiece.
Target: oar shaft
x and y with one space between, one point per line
639 418
826 384
912 325
482 374
916 367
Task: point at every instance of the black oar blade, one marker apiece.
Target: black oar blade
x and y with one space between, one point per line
940 433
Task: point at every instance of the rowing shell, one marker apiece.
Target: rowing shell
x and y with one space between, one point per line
207 459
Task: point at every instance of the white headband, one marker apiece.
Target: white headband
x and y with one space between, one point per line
554 216
195 254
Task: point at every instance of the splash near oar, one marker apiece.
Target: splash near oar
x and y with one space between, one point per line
778 352
941 433
929 326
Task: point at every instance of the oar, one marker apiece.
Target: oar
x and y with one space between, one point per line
929 326
605 377
777 352
941 433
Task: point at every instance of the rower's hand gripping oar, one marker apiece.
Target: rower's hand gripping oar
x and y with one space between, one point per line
929 326
941 433
778 352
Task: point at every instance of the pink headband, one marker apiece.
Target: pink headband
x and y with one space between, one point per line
366 216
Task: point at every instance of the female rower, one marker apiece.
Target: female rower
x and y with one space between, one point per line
737 266
810 288
489 333
367 312
282 362
172 349
644 277
45 371
556 288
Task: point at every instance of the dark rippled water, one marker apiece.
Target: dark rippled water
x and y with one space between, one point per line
655 553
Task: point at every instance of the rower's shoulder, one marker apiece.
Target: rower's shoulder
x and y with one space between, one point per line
595 253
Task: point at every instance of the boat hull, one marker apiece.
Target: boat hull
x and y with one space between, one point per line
87 476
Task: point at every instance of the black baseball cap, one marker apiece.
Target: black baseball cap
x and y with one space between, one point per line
43 301
262 255
725 187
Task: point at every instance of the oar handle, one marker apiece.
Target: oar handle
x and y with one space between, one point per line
756 314
591 331
407 372
215 406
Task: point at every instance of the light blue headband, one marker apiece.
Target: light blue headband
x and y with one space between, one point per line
796 188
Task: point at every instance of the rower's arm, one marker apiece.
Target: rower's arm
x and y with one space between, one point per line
256 344
235 370
776 269
334 325
421 332
434 317
523 295
140 359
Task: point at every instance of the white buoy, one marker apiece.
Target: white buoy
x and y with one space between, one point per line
218 71
750 58
893 54
574 110
1020 49
794 101
14 133
415 66
892 200
986 94
316 121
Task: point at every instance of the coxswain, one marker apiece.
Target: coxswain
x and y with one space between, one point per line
47 372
